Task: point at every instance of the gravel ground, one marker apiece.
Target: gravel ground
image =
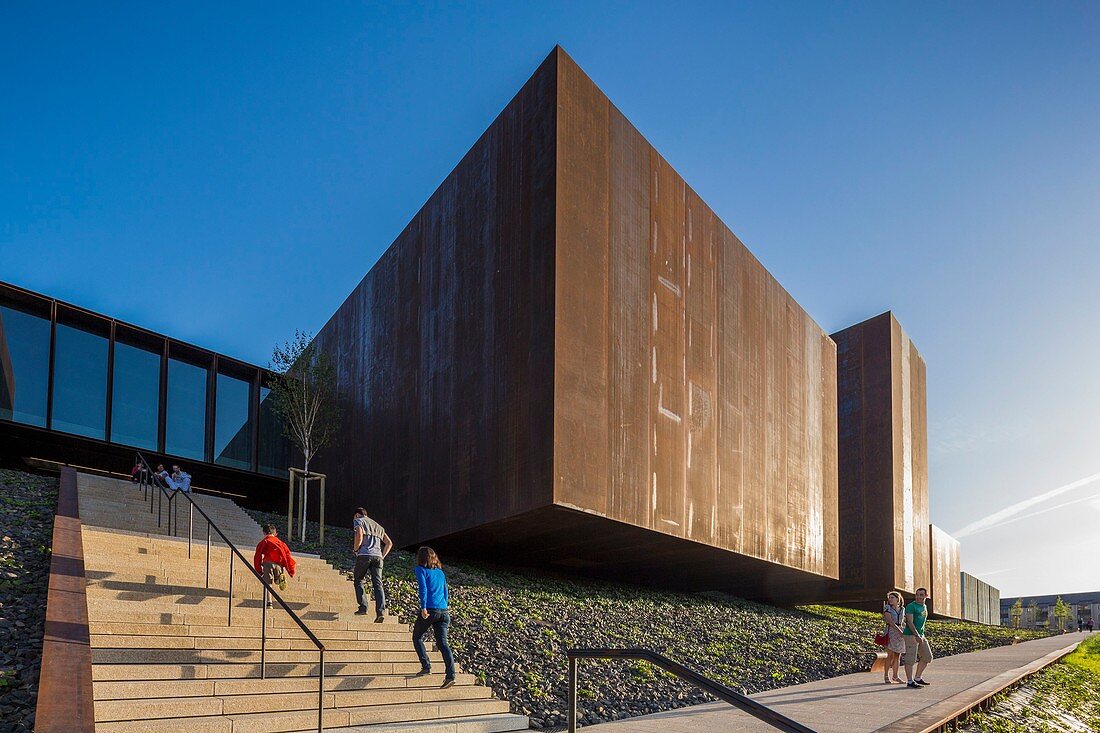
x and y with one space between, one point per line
511 627
27 506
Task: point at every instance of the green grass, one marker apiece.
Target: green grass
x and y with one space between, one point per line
1087 655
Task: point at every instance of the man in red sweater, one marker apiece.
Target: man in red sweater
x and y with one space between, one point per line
272 558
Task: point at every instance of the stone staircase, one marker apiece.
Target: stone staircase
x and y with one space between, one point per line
164 660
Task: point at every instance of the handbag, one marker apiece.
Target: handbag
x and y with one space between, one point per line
882 639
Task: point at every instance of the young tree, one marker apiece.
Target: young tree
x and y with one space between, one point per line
1016 611
303 391
1033 613
1061 612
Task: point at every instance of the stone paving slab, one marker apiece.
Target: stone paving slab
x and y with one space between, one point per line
861 703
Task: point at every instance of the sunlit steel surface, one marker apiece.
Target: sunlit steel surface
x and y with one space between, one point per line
883 467
945 591
981 602
568 358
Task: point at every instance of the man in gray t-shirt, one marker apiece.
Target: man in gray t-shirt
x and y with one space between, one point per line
370 544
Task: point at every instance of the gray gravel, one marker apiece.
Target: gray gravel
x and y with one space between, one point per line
27 506
511 628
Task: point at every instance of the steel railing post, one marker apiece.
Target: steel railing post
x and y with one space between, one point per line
321 694
190 526
208 555
263 636
572 693
230 622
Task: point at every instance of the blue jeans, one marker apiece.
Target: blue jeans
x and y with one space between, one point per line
365 564
439 620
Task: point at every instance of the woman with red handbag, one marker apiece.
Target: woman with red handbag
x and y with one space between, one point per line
893 614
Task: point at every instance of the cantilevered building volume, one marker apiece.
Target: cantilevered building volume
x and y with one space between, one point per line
567 358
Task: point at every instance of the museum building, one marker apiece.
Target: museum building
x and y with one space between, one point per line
565 359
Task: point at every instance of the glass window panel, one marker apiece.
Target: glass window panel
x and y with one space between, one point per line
24 366
185 423
80 383
232 429
135 400
274 447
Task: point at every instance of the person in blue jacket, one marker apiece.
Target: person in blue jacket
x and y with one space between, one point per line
432 585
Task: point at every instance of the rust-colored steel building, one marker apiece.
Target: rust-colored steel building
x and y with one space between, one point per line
945 570
980 601
883 457
567 359
883 467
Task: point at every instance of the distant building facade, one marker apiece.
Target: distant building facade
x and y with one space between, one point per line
1037 612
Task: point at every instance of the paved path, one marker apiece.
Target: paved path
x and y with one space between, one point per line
861 703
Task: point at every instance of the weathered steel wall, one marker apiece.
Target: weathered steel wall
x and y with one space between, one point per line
883 465
944 567
693 396
980 601
445 350
567 359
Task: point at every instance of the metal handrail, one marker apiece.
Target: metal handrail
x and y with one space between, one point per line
149 478
733 697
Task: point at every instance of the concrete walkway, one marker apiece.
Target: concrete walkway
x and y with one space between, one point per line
861 703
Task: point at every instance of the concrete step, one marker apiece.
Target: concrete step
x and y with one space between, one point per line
303 720
248 670
247 612
110 690
120 641
126 628
245 587
114 611
259 702
106 655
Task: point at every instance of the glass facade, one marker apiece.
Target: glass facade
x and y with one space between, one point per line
80 383
77 373
24 366
274 446
232 428
185 421
135 397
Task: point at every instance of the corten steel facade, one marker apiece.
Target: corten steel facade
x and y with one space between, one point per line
980 601
82 388
567 358
883 467
944 588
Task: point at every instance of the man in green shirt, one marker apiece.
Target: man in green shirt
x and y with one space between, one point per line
916 645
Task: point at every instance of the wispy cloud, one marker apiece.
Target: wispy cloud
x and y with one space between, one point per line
985 574
955 435
1016 511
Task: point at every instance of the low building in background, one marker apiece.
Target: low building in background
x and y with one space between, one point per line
981 602
1037 612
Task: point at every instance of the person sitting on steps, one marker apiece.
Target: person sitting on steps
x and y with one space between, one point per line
272 559
180 479
370 545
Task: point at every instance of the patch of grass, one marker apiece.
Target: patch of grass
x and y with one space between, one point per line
1087 655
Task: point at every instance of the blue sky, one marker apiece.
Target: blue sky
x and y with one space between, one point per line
226 174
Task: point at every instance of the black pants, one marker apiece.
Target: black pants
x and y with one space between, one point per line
367 564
